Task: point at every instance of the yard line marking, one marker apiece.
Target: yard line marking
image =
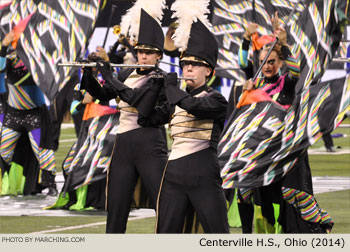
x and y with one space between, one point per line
69 228
68 140
67 125
86 225
322 151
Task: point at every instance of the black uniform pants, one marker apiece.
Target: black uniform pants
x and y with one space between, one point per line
192 182
328 140
137 153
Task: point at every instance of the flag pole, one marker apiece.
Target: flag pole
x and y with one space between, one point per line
228 68
109 24
216 68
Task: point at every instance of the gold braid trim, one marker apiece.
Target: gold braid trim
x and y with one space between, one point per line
202 135
130 109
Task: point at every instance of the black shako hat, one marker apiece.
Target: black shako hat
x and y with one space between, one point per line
151 35
202 45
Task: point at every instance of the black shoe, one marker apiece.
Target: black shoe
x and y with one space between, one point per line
48 181
331 149
52 190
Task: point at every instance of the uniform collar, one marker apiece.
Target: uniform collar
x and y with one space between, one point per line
196 91
272 79
144 72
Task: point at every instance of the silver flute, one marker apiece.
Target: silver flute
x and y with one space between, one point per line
186 78
161 76
342 60
93 64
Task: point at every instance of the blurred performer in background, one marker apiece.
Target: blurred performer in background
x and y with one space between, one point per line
61 105
25 111
122 51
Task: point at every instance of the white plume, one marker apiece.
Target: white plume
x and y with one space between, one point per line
130 22
125 23
187 12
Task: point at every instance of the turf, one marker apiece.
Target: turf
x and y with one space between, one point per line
29 224
337 204
330 165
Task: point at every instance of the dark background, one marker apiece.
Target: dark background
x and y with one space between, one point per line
123 6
